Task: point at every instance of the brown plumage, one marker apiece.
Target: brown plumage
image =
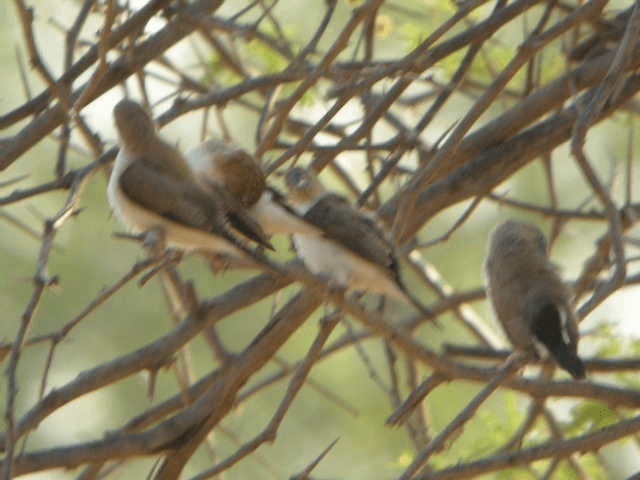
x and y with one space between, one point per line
529 298
351 250
354 231
238 173
152 186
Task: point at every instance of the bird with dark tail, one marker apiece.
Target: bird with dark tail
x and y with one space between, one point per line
351 251
529 298
153 187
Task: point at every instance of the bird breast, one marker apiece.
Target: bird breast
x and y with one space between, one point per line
508 305
325 257
120 204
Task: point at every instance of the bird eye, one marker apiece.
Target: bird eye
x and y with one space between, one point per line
296 177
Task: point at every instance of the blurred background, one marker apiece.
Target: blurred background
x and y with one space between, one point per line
344 401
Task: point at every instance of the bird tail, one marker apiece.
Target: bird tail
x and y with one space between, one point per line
550 327
250 229
570 362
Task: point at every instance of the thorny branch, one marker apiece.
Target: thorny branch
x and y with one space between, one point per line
442 124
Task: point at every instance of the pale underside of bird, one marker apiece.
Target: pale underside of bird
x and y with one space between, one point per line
351 252
234 169
529 298
152 188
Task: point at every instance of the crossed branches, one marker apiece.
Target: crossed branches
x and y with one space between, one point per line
410 177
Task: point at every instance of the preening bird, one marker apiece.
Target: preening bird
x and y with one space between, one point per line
234 169
529 298
153 187
351 251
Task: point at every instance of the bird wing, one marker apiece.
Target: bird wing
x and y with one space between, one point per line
182 202
348 227
167 196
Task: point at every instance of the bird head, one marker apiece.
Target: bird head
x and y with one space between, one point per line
303 186
519 237
135 126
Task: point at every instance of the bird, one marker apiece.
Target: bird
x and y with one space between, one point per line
215 162
351 251
152 187
529 298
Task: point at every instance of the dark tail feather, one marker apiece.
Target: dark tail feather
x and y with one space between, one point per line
570 362
250 229
547 328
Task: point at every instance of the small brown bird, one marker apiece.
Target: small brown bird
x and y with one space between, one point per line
238 172
352 252
529 298
153 187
